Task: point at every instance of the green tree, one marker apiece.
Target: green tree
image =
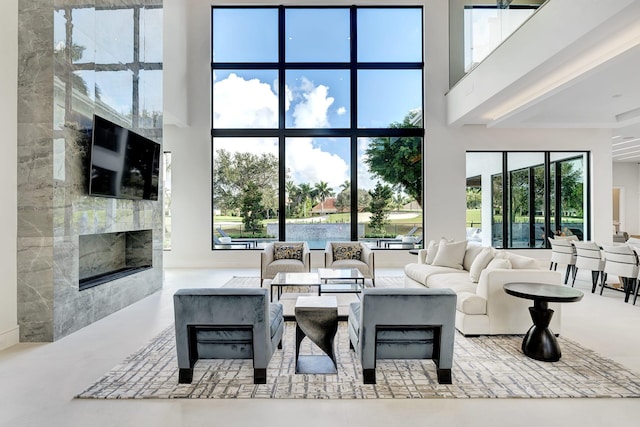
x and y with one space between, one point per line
398 161
305 193
323 192
380 206
343 200
399 200
572 187
474 198
232 171
251 208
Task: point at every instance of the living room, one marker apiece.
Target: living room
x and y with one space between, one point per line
186 135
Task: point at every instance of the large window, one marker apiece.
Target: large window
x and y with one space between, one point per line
317 128
517 199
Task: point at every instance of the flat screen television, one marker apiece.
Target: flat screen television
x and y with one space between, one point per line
124 164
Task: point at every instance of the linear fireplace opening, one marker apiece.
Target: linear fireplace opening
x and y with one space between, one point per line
106 257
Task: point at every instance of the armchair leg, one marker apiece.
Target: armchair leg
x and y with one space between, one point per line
260 376
369 376
185 375
444 376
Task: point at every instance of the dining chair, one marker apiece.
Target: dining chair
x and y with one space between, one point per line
589 257
563 252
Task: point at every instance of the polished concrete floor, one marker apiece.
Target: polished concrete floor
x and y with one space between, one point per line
38 381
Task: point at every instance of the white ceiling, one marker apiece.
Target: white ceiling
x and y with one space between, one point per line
597 85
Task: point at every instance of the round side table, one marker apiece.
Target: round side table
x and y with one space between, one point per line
540 343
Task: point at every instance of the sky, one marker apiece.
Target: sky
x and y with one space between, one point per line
314 98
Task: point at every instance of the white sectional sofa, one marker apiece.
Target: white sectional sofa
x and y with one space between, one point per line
477 275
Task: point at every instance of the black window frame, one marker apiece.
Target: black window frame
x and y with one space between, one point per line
282 132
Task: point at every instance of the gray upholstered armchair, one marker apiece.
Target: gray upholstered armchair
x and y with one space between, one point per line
286 257
404 323
351 255
226 323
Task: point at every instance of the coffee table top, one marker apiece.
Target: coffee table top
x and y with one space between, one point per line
316 303
339 273
299 279
543 292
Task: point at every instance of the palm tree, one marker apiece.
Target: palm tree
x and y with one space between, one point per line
323 191
291 190
305 191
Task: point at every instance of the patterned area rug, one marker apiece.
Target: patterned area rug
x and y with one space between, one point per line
484 367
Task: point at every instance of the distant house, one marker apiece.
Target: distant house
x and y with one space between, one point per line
329 206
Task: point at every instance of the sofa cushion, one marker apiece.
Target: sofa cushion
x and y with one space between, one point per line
287 251
284 266
480 263
450 254
342 251
421 272
458 282
470 303
473 250
353 263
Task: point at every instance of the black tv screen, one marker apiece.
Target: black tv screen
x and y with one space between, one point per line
124 164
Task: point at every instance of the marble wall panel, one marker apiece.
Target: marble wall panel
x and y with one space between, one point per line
35 289
56 103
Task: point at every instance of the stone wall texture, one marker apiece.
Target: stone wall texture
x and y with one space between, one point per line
74 61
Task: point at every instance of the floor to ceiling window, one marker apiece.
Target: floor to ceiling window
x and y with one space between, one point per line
517 199
317 128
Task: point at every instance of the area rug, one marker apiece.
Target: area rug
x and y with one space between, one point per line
484 367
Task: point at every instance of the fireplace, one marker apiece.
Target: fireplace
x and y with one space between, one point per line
110 256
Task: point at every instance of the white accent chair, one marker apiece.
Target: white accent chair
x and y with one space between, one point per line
589 257
351 255
622 261
274 261
563 252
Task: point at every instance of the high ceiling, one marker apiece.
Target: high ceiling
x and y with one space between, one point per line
592 82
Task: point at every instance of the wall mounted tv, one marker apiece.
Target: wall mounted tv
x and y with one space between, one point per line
124 164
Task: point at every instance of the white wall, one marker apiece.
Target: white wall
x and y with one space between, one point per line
8 171
627 176
445 181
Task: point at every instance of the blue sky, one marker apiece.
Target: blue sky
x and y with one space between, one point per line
316 98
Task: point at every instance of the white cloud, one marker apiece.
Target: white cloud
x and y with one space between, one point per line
341 111
245 103
240 103
309 164
311 111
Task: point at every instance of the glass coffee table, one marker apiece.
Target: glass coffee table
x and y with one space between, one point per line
341 280
294 280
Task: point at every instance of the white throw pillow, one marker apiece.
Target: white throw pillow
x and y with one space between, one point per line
450 254
498 263
473 250
432 249
480 263
522 262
